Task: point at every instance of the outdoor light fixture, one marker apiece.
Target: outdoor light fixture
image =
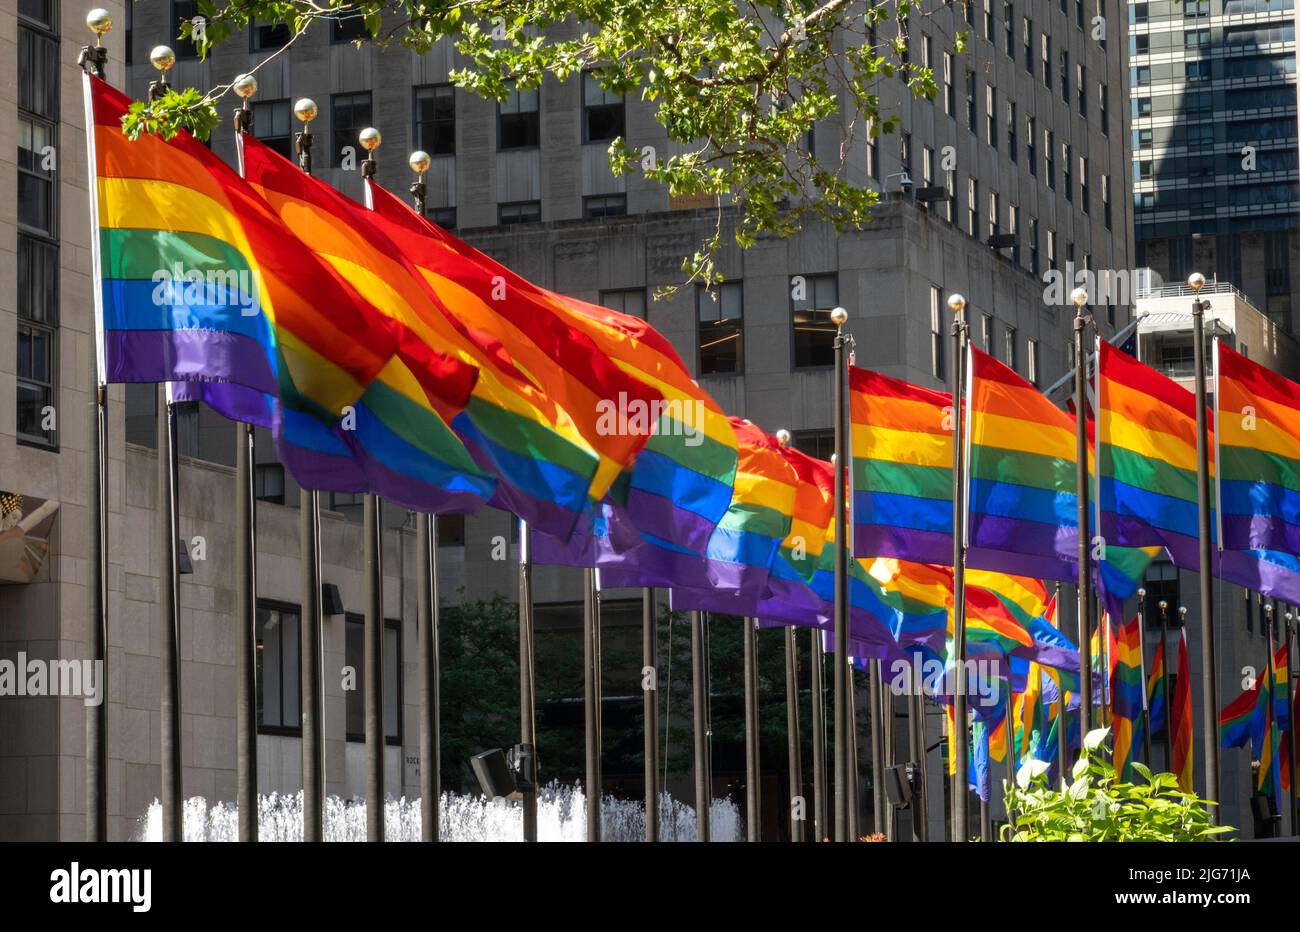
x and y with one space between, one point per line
899 783
331 602
504 773
931 194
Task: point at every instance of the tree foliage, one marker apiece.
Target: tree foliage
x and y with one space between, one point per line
1095 806
737 86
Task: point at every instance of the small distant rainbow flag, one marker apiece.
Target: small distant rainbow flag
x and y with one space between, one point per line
1156 689
1127 696
1181 718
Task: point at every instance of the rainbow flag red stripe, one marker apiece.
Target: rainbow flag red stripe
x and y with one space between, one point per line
1181 718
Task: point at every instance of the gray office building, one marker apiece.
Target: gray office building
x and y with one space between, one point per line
1215 166
1027 141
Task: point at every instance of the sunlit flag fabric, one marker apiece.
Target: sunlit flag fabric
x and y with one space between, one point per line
577 377
1237 718
509 427
902 468
1147 458
1180 717
1273 776
1258 413
199 280
1127 697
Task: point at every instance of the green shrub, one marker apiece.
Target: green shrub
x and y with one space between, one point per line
1095 806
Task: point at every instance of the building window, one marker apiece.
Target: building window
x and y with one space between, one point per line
602 111
993 213
1105 199
721 317
1033 248
354 656
812 298
949 94
519 124
1013 227
1065 76
1162 584
1009 347
348 504
36 181
1067 172
435 119
991 114
348 28
989 27
1027 40
1081 88
1012 142
1046 47
1051 249
273 125
972 207
630 301
39 12
936 334
266 37
1032 360
1083 183
971 114
1031 147
445 217
604 205
279 669
268 483
1104 108
183 11
451 530
1009 29
1049 158
873 153
986 332
819 444
349 115
519 212
38 339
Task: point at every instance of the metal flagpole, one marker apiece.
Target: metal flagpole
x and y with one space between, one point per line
173 798
1062 710
527 690
961 732
882 737
312 622
753 808
817 652
591 702
842 680
1164 676
426 615
373 654
650 710
1291 742
794 755
93 60
916 753
703 792
245 86
1012 750
1209 669
1142 659
855 790
1079 298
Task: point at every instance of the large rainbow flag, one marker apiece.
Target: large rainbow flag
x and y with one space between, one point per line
1258 413
1127 697
199 280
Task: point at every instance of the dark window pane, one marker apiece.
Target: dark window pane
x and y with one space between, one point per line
40 12
435 119
182 11
269 36
278 670
38 280
721 329
816 443
348 29
445 217
451 530
272 121
604 205
521 212
518 121
602 112
38 75
813 298
349 114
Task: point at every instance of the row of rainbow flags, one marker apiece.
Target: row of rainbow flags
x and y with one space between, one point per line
388 356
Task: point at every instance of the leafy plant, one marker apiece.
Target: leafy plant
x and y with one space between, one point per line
1095 806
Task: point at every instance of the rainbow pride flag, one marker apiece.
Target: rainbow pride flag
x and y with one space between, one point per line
510 427
1021 464
902 468
1237 719
1156 689
1258 413
1180 717
199 280
1127 697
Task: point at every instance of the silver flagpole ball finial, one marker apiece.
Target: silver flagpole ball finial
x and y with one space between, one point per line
305 110
1142 593
1182 611
1079 297
369 139
99 21
783 437
1196 281
956 303
1163 604
839 316
419 161
162 58
245 86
